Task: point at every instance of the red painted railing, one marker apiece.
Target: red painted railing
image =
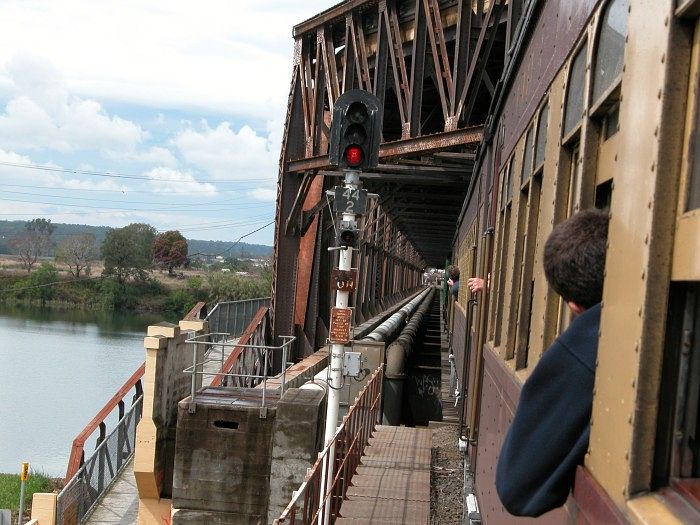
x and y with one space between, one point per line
198 312
255 333
77 454
349 442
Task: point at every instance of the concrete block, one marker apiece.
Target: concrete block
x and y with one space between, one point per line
165 329
299 430
155 342
222 458
44 508
207 517
148 481
196 326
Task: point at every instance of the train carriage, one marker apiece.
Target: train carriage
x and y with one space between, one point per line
598 108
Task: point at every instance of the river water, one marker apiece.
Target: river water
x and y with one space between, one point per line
57 370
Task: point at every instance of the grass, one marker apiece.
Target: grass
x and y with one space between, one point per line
9 490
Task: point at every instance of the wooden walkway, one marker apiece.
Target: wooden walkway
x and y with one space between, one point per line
392 483
120 505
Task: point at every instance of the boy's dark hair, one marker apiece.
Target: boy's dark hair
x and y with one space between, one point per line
574 257
453 272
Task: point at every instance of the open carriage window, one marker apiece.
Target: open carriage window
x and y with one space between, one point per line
573 111
611 49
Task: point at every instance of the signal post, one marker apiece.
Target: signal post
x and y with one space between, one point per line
353 147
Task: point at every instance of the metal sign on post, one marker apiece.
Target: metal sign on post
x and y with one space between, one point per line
339 332
23 476
343 280
350 200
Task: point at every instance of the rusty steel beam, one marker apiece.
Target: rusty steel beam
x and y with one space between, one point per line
406 178
420 36
414 145
488 29
332 14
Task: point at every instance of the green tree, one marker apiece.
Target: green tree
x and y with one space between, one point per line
77 251
128 251
41 284
41 225
170 250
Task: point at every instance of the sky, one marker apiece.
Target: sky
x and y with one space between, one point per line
164 112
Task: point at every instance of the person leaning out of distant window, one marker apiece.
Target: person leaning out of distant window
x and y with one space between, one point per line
453 280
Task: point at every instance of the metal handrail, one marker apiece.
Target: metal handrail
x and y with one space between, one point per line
85 488
218 305
242 310
349 443
222 340
77 454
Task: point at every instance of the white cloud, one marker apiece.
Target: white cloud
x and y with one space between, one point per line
45 116
152 155
228 155
168 180
263 194
228 57
25 172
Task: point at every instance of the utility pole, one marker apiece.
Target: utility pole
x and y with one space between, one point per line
353 146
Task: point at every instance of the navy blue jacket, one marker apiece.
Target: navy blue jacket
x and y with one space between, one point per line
549 434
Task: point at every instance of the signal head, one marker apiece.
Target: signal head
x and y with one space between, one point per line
354 156
355 130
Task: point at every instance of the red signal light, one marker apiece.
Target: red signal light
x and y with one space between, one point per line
353 156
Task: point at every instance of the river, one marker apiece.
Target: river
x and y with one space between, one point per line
57 370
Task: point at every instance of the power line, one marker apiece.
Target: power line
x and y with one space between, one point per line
104 209
122 190
119 175
239 240
51 284
92 199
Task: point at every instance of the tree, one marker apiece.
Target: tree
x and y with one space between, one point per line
170 250
128 251
41 225
41 284
33 242
77 251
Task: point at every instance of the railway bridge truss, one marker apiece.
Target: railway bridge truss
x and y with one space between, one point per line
435 66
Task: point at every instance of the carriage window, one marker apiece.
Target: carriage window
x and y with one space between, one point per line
541 141
509 187
693 194
527 157
677 449
574 96
611 122
611 47
502 251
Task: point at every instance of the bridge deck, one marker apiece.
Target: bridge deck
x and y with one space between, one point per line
120 504
392 483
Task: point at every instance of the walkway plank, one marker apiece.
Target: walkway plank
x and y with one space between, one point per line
392 483
120 504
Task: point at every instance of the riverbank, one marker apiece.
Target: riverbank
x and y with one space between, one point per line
52 286
10 488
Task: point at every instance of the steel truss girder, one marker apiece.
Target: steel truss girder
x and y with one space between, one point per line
427 61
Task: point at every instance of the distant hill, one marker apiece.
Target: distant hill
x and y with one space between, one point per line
10 228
